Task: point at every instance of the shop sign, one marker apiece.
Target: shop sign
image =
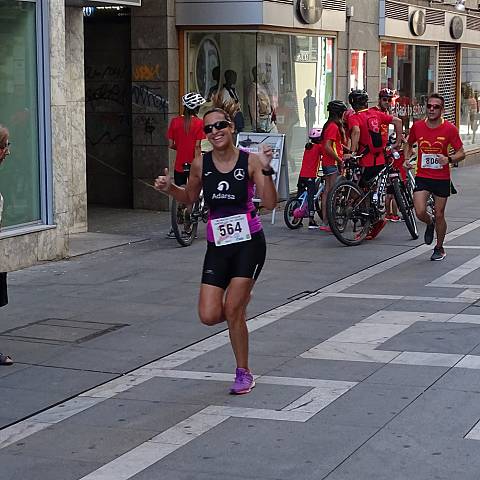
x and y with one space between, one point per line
309 11
418 23
408 110
456 27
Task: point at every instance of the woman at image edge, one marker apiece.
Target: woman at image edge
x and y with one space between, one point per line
228 176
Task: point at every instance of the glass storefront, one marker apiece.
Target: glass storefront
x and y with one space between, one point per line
470 92
358 70
282 82
411 71
20 173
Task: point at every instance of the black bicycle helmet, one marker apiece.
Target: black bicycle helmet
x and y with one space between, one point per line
337 106
358 98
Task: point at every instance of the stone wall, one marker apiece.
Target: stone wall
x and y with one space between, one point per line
362 34
19 249
155 94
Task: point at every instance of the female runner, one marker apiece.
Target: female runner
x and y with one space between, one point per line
236 245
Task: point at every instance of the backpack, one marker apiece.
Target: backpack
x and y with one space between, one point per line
374 127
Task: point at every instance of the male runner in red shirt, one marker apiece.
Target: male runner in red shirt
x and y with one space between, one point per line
435 137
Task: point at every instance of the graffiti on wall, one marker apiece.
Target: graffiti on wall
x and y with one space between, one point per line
146 73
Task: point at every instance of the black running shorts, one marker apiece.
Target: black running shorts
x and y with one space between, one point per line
244 259
439 188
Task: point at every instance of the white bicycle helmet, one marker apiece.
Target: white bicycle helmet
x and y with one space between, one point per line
192 100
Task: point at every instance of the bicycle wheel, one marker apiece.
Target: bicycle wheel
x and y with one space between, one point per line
348 213
183 225
290 220
405 205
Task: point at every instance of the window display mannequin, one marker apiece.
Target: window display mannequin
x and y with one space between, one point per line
229 95
214 89
260 105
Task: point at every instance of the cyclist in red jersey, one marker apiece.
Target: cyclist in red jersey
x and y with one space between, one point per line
185 134
385 101
309 171
367 139
435 138
332 138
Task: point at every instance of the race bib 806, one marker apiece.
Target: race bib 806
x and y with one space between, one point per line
430 160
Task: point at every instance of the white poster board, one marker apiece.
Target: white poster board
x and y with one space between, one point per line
251 142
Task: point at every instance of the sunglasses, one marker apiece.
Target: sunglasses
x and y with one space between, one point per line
434 106
387 99
222 124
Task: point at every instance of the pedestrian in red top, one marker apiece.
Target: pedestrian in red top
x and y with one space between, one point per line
309 171
366 126
333 138
185 134
436 138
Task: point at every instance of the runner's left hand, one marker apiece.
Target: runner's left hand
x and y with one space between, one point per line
265 155
442 159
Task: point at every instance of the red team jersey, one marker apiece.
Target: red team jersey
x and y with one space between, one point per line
185 142
311 161
332 132
360 120
431 142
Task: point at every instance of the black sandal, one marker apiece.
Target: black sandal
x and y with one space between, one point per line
5 360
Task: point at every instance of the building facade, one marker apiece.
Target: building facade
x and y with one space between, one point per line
88 94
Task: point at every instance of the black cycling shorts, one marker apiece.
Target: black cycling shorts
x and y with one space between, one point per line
439 188
368 173
180 178
244 259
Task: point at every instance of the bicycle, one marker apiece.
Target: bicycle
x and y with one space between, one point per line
185 220
403 193
296 208
352 209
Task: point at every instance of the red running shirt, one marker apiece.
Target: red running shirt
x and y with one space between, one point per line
311 161
431 142
360 120
383 127
332 132
185 142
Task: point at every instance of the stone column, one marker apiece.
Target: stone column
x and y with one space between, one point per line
75 111
154 93
363 36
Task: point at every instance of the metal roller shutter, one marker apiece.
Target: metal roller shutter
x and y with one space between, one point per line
447 78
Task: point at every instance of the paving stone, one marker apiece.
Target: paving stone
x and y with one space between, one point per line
46 379
80 443
460 379
367 404
201 392
288 449
25 467
414 375
398 456
436 337
326 369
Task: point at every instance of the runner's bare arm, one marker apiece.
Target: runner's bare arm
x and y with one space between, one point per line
265 187
458 156
191 191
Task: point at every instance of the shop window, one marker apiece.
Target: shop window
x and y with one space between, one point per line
20 173
410 70
282 82
358 69
470 101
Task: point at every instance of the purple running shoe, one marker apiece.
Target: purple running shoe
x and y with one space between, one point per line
244 382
